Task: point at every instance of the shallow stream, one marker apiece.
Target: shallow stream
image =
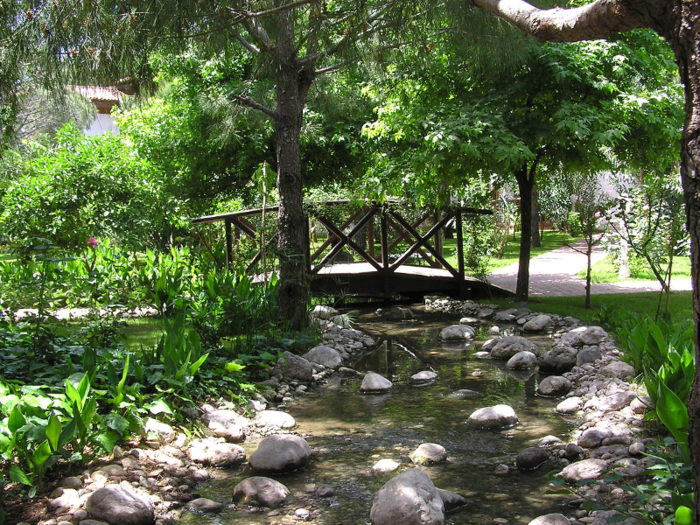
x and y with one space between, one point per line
350 432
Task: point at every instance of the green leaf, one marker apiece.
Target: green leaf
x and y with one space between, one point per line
53 432
73 394
68 433
18 476
159 407
107 440
673 414
41 454
195 366
16 420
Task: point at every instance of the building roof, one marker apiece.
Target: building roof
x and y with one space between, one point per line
104 98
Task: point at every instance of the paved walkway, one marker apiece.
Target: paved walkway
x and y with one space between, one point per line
553 274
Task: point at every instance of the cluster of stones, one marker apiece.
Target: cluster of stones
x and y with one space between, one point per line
587 374
295 374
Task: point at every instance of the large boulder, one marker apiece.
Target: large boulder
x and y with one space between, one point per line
458 332
554 386
507 347
275 418
588 354
586 469
585 335
452 501
211 452
408 499
619 370
560 359
227 424
323 312
426 377
522 361
531 458
119 506
538 323
295 367
324 355
428 453
280 453
375 384
498 417
261 491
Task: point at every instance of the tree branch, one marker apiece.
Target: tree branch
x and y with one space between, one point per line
247 101
589 22
250 47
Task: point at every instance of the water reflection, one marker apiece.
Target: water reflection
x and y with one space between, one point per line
350 432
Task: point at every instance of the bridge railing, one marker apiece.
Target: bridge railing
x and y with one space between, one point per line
385 238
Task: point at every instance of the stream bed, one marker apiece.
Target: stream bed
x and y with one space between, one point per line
350 432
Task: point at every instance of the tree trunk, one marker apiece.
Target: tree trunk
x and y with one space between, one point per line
684 42
526 182
589 252
292 88
535 219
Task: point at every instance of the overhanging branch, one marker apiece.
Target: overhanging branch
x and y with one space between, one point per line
249 102
590 22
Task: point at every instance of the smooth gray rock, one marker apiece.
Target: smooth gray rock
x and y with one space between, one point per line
275 418
458 332
211 452
551 519
227 424
295 367
408 499
589 354
605 517
586 469
620 370
428 453
157 431
554 386
531 458
452 501
263 491
469 320
280 453
119 506
490 344
398 313
323 312
507 347
504 316
205 505
324 355
569 406
384 466
375 384
560 359
537 324
71 482
591 438
522 361
585 335
463 393
497 417
425 377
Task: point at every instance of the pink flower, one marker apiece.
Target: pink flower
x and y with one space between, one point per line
597 215
92 243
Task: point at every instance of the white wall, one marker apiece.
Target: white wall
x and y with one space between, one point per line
102 124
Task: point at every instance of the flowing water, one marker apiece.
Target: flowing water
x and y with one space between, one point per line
350 432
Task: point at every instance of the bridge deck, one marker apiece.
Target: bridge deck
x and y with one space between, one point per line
362 279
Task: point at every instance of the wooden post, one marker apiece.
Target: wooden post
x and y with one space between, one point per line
438 235
460 255
229 244
370 236
385 252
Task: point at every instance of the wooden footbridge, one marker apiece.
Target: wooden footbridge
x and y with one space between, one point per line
366 249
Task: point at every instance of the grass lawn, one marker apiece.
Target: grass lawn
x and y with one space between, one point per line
551 241
142 331
604 271
680 305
